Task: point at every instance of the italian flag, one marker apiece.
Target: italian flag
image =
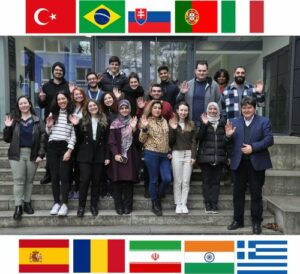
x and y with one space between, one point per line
209 257
155 257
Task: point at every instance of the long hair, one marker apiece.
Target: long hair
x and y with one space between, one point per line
148 109
189 124
83 103
86 118
55 108
113 107
17 113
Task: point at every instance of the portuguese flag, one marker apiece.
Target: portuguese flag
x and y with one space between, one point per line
209 257
155 257
200 16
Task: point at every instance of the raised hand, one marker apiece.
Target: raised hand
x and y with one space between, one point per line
259 86
133 122
204 118
49 120
229 129
117 93
173 123
8 121
74 119
42 94
144 122
184 87
140 102
71 87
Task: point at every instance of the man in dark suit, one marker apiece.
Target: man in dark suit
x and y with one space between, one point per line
250 135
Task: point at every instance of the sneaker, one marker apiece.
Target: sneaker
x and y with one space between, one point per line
55 208
63 211
208 208
178 209
185 210
76 195
214 209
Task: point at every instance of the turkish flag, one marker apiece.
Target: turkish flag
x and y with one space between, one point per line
50 16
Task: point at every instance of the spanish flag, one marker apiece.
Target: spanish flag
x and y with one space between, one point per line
105 256
43 256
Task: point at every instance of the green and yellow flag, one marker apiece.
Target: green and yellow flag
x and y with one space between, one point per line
106 16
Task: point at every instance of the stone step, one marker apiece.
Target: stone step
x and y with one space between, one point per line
198 229
136 218
45 202
6 188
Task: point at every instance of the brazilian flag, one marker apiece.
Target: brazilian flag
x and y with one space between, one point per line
106 16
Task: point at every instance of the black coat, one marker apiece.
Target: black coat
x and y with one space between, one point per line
131 95
108 82
12 135
212 144
90 151
169 92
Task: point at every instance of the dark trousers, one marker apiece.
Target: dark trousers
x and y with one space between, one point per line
123 194
255 179
211 177
90 173
74 172
59 170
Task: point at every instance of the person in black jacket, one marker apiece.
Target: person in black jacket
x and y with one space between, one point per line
46 95
113 78
26 134
212 155
93 154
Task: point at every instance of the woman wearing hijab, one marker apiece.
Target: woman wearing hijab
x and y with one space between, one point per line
125 157
212 155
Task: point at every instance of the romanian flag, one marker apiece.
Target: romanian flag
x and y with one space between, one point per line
209 257
43 256
105 256
200 16
155 257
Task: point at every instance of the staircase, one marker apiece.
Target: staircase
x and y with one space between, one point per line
281 205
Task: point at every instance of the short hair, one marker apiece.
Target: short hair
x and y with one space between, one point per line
201 62
155 85
114 59
248 100
91 73
163 67
218 74
240 67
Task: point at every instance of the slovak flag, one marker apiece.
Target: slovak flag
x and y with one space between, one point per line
50 16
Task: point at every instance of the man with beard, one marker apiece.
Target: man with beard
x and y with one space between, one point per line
46 95
169 90
93 92
236 91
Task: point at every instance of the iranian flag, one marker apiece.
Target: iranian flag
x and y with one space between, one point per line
209 257
155 257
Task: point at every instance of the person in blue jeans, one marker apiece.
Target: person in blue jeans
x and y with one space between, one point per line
154 135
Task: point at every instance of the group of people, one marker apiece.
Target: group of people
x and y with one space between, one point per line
102 134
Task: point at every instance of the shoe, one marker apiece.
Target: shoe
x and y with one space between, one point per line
156 208
94 210
127 211
235 225
208 208
80 212
178 209
63 211
45 180
256 228
18 213
55 208
28 208
185 210
108 196
214 209
76 195
119 211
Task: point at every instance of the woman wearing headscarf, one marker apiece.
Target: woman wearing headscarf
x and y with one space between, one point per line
125 157
212 155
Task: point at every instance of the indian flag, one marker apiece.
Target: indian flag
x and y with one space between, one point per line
209 257
155 257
